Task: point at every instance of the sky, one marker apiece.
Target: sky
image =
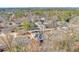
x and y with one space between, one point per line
39 3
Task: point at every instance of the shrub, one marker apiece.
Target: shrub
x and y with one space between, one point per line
26 25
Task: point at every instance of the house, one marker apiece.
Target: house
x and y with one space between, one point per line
40 25
42 19
10 27
2 19
11 24
50 23
22 40
2 47
74 23
2 23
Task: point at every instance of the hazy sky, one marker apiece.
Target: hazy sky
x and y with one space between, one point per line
39 3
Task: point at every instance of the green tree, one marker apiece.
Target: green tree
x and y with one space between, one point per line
26 25
19 13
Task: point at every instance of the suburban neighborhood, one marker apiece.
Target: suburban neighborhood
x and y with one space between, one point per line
39 29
